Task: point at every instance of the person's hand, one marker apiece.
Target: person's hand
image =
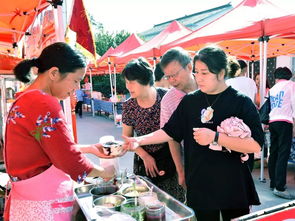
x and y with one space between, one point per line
108 172
203 136
130 143
97 149
150 165
181 179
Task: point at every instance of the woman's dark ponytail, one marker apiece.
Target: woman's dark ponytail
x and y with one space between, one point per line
59 55
22 69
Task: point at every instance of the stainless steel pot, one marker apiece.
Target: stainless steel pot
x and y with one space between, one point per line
112 202
102 190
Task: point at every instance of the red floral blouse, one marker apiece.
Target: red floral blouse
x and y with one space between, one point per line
37 136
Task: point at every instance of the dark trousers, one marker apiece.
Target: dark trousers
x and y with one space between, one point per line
281 140
78 108
214 215
250 161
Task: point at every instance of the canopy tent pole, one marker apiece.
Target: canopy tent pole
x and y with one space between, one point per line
59 32
115 95
248 69
266 38
110 74
263 67
261 178
115 81
91 92
253 73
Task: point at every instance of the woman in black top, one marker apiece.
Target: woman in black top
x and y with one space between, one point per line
217 181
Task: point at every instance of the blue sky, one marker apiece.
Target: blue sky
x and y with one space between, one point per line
139 15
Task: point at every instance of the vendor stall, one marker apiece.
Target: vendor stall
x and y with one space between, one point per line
129 198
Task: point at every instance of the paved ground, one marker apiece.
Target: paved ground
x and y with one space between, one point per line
90 129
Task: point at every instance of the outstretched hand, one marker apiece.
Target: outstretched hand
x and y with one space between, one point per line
130 143
97 149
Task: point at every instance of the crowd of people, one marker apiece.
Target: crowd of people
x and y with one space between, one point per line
195 130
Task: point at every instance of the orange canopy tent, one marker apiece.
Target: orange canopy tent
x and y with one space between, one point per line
15 18
7 63
151 49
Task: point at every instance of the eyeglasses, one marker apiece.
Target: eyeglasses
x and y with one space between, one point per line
167 77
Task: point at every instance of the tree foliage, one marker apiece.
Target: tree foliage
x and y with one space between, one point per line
103 41
102 83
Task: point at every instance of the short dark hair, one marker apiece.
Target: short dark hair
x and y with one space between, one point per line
234 67
243 64
176 54
59 55
283 73
139 70
158 72
215 59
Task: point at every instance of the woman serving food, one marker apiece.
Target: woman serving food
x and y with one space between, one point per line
40 155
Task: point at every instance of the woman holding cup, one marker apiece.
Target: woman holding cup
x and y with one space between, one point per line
218 182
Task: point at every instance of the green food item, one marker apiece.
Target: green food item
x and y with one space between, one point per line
134 211
129 205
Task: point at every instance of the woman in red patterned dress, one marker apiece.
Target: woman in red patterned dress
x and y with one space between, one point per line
40 154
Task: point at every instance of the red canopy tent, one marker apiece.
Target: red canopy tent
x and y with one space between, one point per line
102 61
252 30
151 49
246 31
133 41
238 31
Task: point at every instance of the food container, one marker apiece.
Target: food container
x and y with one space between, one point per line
135 190
174 210
112 202
113 148
98 181
155 212
83 191
132 208
149 198
102 190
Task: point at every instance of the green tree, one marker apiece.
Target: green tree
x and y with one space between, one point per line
103 41
102 83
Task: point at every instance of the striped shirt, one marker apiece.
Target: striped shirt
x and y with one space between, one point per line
169 104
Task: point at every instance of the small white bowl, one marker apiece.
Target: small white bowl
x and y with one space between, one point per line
113 148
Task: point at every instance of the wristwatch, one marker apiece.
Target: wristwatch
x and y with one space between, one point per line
215 141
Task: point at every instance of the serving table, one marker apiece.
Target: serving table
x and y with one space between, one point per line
174 210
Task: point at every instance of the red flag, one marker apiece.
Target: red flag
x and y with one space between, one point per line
80 24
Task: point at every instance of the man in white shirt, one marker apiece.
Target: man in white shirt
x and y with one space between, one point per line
242 83
176 64
281 122
246 86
